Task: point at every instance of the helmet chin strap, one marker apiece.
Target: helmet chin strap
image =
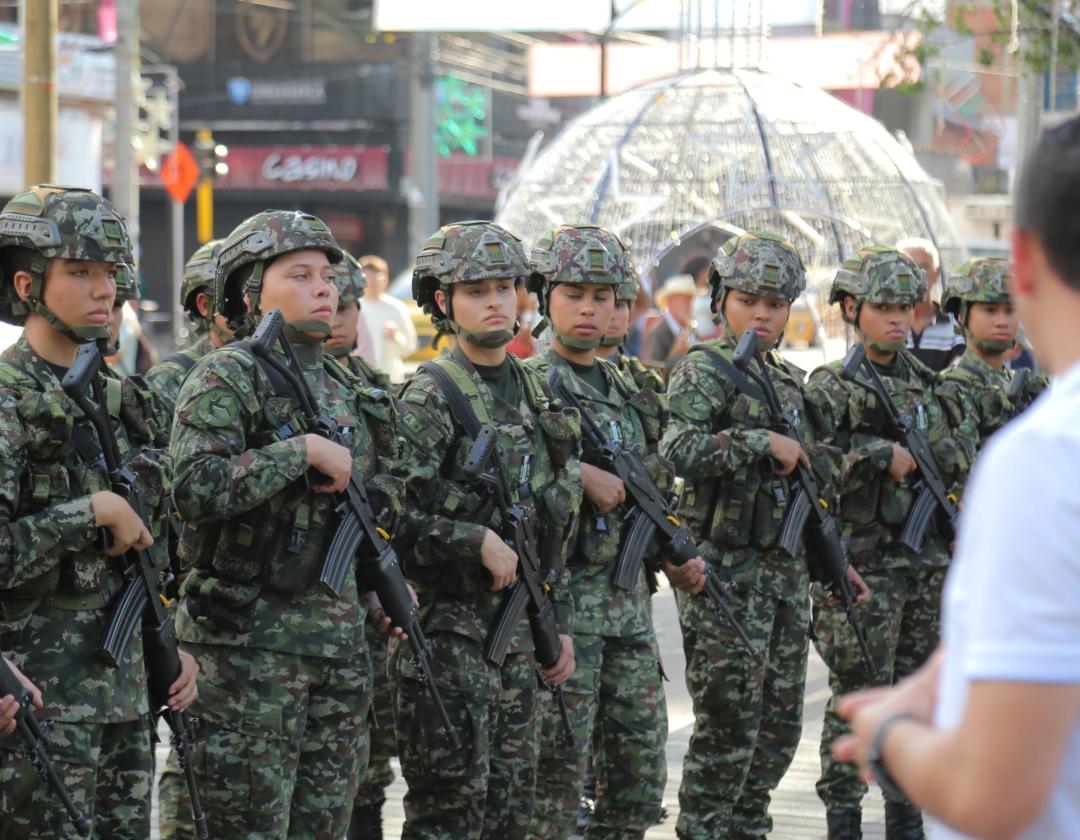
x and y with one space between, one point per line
614 340
339 351
308 332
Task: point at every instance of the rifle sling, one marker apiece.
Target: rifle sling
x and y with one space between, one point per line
737 377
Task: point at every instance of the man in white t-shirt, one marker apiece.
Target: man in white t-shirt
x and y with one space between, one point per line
986 737
387 319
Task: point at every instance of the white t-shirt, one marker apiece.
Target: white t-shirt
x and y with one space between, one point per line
1012 599
389 353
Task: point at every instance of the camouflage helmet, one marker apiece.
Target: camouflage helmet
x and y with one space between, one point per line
465 252
980 280
350 279
576 254
628 290
881 275
199 274
127 285
57 222
757 263
255 241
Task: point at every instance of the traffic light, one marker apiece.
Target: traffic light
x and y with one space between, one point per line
210 155
211 159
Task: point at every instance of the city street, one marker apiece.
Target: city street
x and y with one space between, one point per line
797 812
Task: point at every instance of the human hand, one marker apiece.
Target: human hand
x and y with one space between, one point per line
564 668
499 559
332 460
185 690
787 452
902 463
689 577
9 705
603 489
126 529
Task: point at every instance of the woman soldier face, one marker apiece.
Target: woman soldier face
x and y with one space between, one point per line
301 285
764 314
482 307
581 310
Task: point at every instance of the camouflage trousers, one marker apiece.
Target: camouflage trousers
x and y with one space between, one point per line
379 774
484 789
283 741
174 804
615 702
747 712
107 770
902 626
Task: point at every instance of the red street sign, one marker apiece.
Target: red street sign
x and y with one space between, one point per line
180 172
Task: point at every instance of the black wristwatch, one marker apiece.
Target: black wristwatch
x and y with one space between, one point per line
876 762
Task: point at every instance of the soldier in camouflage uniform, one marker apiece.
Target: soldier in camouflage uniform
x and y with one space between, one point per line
877 292
197 298
465 279
350 281
611 345
977 389
127 288
60 249
366 821
287 676
747 711
615 697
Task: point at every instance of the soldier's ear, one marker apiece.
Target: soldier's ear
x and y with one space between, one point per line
440 300
850 307
202 304
23 283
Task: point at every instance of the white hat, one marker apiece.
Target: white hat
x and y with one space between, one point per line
677 284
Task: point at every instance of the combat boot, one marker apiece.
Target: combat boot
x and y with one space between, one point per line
903 822
366 823
844 825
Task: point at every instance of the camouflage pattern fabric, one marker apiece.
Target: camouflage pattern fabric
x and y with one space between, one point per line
758 263
251 598
106 770
881 275
166 377
615 695
644 378
283 741
382 740
466 252
902 619
368 373
874 507
484 789
902 625
57 587
975 394
747 713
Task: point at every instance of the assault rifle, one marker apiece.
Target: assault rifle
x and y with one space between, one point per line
357 524
141 599
930 491
650 513
34 735
825 553
529 594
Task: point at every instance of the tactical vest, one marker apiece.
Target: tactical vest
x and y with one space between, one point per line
64 462
281 543
744 509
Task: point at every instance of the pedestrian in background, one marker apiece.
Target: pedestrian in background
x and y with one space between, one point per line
387 319
934 338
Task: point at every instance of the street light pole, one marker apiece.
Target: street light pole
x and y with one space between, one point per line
39 96
125 179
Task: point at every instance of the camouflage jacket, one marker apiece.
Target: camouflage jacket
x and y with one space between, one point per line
55 586
975 396
733 502
255 536
634 418
447 515
645 378
874 506
368 373
167 376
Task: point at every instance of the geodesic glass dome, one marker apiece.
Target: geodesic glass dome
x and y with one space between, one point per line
721 148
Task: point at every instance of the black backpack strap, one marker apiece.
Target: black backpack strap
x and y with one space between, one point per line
737 377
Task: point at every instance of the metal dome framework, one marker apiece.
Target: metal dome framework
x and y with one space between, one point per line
722 148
